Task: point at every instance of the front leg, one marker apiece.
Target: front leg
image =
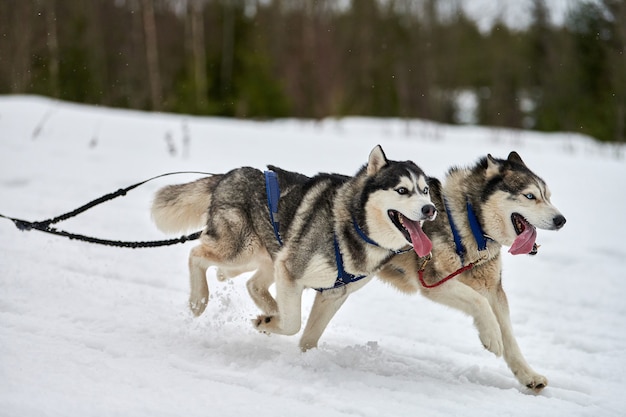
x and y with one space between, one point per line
512 353
457 295
325 306
289 303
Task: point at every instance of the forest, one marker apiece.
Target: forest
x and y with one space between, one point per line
267 59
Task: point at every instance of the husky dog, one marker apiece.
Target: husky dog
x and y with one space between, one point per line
329 232
493 204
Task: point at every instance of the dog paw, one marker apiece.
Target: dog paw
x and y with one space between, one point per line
304 345
533 381
491 338
198 305
221 275
265 323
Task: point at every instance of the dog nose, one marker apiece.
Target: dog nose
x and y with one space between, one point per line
429 211
559 221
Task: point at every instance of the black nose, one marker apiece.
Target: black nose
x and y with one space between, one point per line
559 221
429 211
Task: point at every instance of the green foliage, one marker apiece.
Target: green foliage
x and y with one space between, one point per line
396 58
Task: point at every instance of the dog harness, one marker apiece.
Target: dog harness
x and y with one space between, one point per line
272 189
477 230
273 195
481 241
369 240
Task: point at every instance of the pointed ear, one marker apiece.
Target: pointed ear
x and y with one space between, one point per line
493 167
514 157
376 161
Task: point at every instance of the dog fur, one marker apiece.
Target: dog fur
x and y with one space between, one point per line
238 236
496 189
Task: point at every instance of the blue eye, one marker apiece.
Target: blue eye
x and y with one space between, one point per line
425 190
402 190
530 196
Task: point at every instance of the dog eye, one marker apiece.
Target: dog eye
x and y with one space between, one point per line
402 190
425 190
529 196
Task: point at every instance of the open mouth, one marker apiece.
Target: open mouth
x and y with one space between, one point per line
412 232
399 220
526 235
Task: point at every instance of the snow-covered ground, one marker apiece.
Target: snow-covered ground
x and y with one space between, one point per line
98 331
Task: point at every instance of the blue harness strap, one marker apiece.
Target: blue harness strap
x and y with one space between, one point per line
460 249
477 231
273 195
343 277
369 240
272 190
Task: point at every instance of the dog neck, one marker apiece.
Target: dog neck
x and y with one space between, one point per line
469 236
371 241
477 231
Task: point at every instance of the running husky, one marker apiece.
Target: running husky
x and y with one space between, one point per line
493 204
328 232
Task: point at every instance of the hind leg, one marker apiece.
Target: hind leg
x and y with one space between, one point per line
201 258
199 262
258 288
512 353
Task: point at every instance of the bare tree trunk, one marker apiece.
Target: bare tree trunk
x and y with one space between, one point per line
21 49
53 47
152 56
198 51
228 47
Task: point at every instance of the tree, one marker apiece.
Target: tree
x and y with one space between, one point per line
195 38
152 53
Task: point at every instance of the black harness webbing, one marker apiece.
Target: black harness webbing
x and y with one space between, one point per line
44 225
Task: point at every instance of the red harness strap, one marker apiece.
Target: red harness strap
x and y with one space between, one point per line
448 278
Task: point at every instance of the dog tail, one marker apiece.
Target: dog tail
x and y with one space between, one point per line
183 207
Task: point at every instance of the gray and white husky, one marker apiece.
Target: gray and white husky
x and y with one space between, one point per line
329 232
495 203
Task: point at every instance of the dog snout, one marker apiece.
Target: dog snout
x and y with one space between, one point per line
559 221
429 211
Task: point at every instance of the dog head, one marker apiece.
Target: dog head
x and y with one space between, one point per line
515 202
396 201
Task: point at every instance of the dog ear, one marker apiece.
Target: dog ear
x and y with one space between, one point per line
514 157
376 161
493 167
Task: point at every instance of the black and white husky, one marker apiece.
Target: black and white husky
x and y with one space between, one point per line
329 232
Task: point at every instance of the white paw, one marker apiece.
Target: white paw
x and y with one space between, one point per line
197 304
266 323
221 276
532 380
491 338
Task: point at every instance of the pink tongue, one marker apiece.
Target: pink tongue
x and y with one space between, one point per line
421 243
524 242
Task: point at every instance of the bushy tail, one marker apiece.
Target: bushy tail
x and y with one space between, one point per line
183 207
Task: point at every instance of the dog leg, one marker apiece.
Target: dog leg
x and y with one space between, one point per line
512 353
289 300
258 288
325 306
198 265
457 295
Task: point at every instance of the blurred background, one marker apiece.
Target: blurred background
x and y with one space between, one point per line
548 65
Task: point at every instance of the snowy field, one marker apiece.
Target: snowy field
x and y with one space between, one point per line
96 331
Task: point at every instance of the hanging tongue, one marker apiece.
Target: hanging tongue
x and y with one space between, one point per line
525 241
421 243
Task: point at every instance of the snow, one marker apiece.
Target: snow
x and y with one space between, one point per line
98 331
